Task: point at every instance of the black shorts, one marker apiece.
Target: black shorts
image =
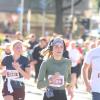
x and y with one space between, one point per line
76 70
58 95
18 93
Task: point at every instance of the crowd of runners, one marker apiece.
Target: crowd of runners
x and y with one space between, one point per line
56 61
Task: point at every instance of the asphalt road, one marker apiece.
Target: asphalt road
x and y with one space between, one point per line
32 92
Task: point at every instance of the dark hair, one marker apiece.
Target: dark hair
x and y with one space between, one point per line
43 38
50 45
48 50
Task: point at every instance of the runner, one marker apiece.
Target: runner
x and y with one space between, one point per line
36 55
17 67
75 57
92 61
55 72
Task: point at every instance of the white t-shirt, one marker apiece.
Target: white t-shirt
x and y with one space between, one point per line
93 58
74 55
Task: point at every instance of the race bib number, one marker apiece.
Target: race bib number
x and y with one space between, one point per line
13 74
58 82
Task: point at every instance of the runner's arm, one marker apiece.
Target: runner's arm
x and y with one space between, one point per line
42 82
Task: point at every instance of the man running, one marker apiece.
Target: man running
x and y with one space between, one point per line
92 60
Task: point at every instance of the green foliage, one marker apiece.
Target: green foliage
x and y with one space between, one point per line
98 5
2 36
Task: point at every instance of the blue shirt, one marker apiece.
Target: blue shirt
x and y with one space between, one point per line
7 62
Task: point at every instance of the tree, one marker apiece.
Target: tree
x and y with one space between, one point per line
59 10
59 14
96 4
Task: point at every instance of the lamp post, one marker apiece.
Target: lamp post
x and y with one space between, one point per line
21 16
71 17
43 24
72 7
43 7
29 21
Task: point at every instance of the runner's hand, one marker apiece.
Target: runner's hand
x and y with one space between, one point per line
70 92
4 72
88 87
16 65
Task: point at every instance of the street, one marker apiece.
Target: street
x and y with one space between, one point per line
33 92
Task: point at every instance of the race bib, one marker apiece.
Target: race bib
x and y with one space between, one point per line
13 74
58 82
